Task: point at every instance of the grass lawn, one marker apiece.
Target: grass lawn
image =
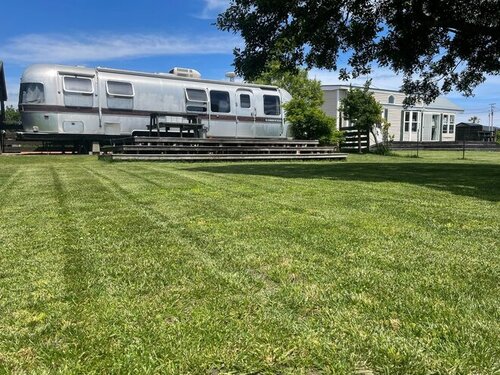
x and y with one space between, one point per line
383 265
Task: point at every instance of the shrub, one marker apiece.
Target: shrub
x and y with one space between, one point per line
310 122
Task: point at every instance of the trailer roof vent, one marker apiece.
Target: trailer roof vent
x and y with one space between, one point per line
185 72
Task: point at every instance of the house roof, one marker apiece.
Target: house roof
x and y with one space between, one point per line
3 86
440 103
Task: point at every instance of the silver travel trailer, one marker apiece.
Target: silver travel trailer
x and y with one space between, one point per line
58 102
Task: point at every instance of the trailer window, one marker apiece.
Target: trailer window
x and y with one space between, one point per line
78 85
31 93
194 95
219 101
196 100
272 105
120 95
120 88
78 92
245 101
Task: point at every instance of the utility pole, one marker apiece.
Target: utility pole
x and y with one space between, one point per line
492 110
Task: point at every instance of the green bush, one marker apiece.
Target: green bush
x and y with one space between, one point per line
310 122
383 149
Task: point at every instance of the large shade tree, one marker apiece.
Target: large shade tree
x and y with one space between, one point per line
438 45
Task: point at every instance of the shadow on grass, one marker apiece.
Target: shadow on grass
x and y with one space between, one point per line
480 181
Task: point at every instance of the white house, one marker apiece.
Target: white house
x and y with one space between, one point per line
433 122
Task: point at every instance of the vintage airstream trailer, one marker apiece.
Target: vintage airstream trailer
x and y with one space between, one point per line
85 103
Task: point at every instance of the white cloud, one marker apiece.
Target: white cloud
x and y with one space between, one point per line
212 8
33 48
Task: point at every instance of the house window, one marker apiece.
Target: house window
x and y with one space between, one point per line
31 93
386 114
414 121
219 101
120 95
451 125
407 121
445 124
196 100
78 92
390 100
411 120
272 105
245 101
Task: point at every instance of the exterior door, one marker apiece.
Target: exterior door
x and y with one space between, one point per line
436 128
245 113
426 134
431 129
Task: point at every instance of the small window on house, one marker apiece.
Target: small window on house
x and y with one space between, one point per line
445 123
245 101
411 121
31 93
390 100
120 95
196 100
272 105
219 101
414 121
386 113
451 125
78 92
407 121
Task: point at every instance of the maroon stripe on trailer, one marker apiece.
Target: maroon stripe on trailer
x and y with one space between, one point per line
56 108
142 113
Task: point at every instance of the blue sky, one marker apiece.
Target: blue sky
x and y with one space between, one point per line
151 36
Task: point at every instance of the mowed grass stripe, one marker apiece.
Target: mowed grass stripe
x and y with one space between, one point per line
7 179
31 285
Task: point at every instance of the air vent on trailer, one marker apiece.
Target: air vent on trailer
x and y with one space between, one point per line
185 72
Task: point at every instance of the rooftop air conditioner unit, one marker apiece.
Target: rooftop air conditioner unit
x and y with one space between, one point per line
185 72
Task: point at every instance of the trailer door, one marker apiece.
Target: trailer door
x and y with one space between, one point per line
245 113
